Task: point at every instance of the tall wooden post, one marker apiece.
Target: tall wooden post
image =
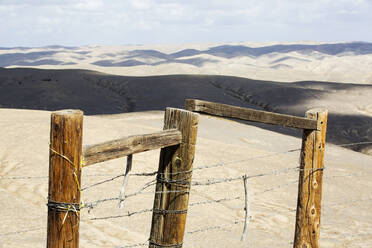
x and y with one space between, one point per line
310 183
173 181
64 179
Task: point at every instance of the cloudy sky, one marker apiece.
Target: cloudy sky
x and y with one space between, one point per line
118 22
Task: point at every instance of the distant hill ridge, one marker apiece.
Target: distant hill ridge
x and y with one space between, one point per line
133 57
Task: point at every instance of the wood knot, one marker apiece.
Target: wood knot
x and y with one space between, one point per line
315 184
177 162
312 211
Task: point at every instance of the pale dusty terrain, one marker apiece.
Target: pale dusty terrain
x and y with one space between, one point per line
242 149
346 67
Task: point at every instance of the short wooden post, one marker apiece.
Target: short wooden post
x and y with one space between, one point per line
310 182
173 181
64 179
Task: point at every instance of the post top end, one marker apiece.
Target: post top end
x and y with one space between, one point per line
181 111
68 112
317 110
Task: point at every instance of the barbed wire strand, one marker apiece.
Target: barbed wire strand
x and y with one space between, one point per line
135 245
208 182
94 204
150 210
22 231
123 215
230 179
244 160
197 168
18 177
91 205
355 144
216 227
214 201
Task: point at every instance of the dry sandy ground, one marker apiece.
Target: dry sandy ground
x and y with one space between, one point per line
242 149
346 67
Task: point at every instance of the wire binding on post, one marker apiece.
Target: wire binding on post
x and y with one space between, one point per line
163 245
163 211
63 206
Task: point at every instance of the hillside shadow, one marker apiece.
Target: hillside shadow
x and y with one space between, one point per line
98 94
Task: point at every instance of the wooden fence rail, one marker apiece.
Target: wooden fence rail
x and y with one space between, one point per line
247 114
129 145
314 127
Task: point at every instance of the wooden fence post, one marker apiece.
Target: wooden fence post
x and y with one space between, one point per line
310 183
64 179
173 181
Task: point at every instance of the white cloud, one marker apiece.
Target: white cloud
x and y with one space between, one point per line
76 22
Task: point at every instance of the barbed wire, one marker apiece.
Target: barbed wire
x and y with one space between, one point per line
209 228
150 210
153 173
123 215
205 229
115 176
102 182
22 231
214 201
91 205
191 204
197 168
23 177
135 245
230 179
275 188
244 160
342 202
94 204
355 144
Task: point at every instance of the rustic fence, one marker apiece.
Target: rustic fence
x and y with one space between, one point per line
67 158
175 170
173 177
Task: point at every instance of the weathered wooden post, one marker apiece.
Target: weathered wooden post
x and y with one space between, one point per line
173 181
310 182
64 179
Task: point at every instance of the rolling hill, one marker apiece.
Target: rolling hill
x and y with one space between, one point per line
350 118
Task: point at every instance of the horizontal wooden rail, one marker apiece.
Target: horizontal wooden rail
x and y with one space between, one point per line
250 114
129 145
